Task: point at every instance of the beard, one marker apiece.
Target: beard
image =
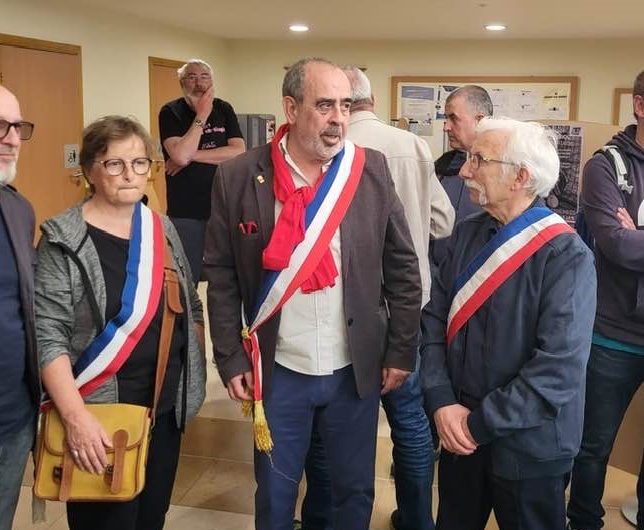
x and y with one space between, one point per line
8 173
482 198
324 151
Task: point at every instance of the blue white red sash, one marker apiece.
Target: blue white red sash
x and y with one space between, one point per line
322 218
510 248
139 302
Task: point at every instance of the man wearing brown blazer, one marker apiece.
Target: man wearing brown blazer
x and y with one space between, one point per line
349 332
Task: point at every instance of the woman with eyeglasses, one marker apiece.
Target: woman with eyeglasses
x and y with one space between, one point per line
99 307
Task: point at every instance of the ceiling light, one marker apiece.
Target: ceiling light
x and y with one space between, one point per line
298 28
495 27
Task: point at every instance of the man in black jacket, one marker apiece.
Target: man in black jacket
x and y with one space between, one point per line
19 379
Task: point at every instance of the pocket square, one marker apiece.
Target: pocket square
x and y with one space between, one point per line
248 227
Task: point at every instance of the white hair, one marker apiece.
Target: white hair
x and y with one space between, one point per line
530 145
181 71
360 84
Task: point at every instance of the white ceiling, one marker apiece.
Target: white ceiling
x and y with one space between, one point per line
392 19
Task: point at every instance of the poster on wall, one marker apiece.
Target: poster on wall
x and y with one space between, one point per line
417 104
421 99
564 196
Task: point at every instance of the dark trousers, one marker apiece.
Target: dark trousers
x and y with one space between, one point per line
192 233
468 492
147 511
413 463
612 378
347 426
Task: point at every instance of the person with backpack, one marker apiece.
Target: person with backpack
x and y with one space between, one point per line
612 202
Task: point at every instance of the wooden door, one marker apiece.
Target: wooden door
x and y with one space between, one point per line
164 87
47 82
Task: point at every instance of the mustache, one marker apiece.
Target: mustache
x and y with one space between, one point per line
472 184
333 130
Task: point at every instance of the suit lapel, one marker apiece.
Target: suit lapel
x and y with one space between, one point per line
22 246
347 231
263 184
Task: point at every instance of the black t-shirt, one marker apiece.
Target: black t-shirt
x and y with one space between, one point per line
188 192
137 375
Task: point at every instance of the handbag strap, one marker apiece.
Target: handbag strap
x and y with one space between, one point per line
171 306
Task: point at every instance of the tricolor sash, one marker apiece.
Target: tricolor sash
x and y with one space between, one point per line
139 302
510 248
322 218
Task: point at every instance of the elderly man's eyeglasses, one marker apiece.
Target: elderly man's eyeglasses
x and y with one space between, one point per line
193 77
24 129
116 166
475 160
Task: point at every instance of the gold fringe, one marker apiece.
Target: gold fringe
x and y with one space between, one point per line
247 408
263 440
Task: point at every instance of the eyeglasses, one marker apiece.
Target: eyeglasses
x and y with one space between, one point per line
193 77
475 160
116 166
24 129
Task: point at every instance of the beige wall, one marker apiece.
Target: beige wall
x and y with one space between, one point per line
601 65
115 51
249 73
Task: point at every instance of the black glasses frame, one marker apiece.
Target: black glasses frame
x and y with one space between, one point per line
24 128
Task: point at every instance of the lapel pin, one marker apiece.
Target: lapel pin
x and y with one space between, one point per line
260 179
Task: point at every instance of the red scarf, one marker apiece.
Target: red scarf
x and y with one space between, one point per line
290 227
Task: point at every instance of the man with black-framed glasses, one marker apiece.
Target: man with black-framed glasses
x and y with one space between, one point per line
19 379
505 339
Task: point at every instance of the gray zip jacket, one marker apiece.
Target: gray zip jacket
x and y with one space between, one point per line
67 312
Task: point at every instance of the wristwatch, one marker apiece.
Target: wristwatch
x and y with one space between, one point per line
199 123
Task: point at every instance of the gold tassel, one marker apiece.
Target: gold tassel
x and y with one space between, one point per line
247 408
263 440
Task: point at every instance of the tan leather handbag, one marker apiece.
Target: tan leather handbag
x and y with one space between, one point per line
57 476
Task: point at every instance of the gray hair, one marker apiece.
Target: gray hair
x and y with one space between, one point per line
530 145
293 85
182 71
478 99
360 85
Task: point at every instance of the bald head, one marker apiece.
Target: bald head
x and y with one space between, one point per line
10 143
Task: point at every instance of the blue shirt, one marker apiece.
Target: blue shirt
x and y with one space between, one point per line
15 402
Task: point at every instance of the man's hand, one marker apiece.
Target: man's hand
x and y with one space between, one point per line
392 378
240 387
203 104
172 168
449 423
625 219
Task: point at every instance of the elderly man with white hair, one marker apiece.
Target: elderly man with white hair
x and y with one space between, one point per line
506 339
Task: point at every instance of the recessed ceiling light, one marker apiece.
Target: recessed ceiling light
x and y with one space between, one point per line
298 28
495 27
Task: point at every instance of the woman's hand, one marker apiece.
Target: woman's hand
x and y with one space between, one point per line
87 440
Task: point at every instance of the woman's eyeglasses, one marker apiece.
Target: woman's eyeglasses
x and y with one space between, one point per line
116 166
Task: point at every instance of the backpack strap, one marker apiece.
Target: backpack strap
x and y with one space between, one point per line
621 171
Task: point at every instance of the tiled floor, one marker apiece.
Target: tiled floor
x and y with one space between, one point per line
214 486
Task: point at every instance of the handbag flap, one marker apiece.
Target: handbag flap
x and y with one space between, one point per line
134 419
